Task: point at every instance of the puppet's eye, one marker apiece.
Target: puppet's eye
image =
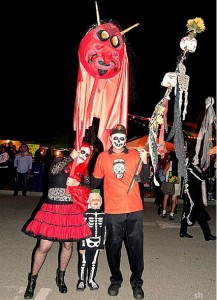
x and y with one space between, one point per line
103 35
115 41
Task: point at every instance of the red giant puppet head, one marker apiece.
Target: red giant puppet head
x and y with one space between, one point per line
101 51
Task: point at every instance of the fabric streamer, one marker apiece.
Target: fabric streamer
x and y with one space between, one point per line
204 139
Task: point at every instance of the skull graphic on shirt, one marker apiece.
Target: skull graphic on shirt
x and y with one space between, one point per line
119 168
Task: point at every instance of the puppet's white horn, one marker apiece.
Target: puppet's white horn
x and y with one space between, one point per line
97 14
129 28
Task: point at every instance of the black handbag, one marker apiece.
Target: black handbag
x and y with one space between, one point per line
168 188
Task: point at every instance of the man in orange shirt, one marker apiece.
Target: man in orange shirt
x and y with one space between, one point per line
123 208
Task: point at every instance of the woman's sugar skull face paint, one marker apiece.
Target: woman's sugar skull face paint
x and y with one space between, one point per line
118 140
83 155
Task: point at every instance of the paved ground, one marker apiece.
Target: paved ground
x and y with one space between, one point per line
175 268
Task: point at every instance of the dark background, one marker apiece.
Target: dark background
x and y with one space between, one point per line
40 59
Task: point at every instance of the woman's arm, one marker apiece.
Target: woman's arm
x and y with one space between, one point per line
166 168
59 164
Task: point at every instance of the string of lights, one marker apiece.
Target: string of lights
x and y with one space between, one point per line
144 121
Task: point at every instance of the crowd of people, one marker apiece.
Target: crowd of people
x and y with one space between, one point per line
16 166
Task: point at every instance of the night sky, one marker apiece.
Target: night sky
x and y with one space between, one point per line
40 62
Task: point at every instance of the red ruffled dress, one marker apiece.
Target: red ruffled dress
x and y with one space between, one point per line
61 216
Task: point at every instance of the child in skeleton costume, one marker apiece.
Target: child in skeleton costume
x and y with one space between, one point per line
194 197
89 248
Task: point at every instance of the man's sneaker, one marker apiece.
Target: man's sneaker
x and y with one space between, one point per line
138 293
93 285
113 289
171 218
80 286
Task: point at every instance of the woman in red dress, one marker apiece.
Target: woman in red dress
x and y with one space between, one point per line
61 216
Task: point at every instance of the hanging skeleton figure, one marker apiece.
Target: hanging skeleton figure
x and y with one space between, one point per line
102 83
89 248
183 83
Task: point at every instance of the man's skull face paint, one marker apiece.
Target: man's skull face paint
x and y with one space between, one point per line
118 140
101 51
83 155
119 168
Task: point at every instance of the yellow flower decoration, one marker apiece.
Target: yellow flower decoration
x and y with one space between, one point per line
160 109
195 26
160 120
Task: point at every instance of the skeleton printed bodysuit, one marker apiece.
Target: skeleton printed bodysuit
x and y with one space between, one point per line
88 262
195 200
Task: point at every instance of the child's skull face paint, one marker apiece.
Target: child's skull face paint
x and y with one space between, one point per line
118 140
95 203
83 155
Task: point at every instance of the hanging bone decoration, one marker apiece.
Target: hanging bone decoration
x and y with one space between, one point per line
183 82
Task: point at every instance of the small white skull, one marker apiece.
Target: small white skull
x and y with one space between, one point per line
169 79
188 44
